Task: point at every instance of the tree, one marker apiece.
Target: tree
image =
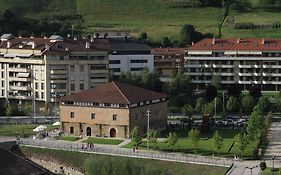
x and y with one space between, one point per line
135 137
153 136
241 142
45 110
194 137
143 36
218 141
187 110
189 35
216 81
27 108
165 42
210 92
234 90
255 126
247 104
172 139
209 108
255 92
233 104
200 103
9 110
264 105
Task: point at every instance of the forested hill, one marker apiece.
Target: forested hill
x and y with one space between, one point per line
159 18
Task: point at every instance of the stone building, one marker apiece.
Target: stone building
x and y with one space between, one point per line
112 110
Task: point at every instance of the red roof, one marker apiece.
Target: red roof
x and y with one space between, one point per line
252 44
115 92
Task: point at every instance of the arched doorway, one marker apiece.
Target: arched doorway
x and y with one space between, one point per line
88 131
113 132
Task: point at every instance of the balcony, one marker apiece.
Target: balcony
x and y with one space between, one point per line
266 66
20 69
217 66
266 74
58 72
194 73
21 88
21 97
228 82
102 71
19 79
227 74
245 66
58 77
193 65
227 66
244 82
276 74
58 90
257 66
267 82
99 80
245 74
58 81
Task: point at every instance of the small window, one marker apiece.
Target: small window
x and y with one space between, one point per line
93 116
72 87
81 86
114 117
71 114
81 67
71 130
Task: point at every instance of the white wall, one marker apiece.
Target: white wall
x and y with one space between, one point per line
125 62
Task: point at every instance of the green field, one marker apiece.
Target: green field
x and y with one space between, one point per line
68 138
76 159
206 146
103 141
19 130
149 16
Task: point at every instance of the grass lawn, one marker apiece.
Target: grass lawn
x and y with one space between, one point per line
159 21
68 138
76 160
206 146
18 130
268 171
103 141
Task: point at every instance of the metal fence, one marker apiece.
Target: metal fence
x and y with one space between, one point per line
116 151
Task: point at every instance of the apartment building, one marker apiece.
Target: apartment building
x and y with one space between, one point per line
168 62
44 69
246 62
113 110
129 55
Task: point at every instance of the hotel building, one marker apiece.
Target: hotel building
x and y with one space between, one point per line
246 62
168 62
43 69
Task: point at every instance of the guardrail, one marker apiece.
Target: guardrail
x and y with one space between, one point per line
175 157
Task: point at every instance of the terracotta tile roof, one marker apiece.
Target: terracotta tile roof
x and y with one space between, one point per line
167 51
115 92
16 42
251 44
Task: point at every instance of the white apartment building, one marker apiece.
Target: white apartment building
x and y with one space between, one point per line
129 55
44 69
246 62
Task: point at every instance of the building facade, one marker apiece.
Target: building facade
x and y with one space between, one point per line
168 62
246 62
112 110
129 55
43 69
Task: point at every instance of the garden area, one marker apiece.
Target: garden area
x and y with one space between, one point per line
107 141
94 164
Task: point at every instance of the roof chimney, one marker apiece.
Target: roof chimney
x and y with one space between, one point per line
75 38
192 43
45 37
8 44
33 45
47 47
31 36
87 45
214 41
263 41
238 40
20 36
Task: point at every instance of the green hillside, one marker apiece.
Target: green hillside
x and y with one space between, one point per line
149 16
159 21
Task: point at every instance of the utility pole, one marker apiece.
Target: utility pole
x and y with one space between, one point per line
216 109
223 102
148 117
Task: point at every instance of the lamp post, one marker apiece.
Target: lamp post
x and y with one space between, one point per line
148 117
251 168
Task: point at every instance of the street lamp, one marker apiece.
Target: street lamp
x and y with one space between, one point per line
273 158
251 168
148 113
